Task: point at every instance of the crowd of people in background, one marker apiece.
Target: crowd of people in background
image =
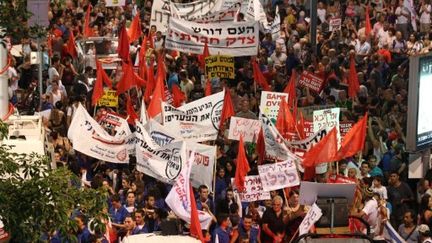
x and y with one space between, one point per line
136 201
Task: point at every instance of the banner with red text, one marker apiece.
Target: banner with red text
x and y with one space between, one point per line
228 38
311 81
269 104
249 128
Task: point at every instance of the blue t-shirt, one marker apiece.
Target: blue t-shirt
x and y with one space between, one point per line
223 235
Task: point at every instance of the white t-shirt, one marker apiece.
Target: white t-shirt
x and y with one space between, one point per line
321 12
363 49
382 191
425 17
400 18
383 37
371 211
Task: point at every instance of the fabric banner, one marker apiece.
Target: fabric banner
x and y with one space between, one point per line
116 125
255 11
225 13
270 102
312 216
205 155
305 144
253 190
162 163
273 27
248 128
89 138
311 81
115 3
234 39
109 98
198 120
279 175
178 199
161 11
219 66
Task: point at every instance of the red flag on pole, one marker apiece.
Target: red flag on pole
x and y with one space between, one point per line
208 88
354 141
101 78
260 147
285 123
195 226
368 25
242 166
88 31
290 89
202 57
71 46
301 127
132 115
178 96
129 79
353 82
134 31
227 110
259 76
155 106
123 45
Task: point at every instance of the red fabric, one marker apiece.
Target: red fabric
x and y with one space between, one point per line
155 106
202 57
227 110
195 226
178 96
71 46
134 31
290 89
242 167
285 122
259 77
324 151
260 147
301 127
368 25
353 142
123 45
88 31
129 79
142 69
130 111
150 83
353 82
208 88
101 78
386 54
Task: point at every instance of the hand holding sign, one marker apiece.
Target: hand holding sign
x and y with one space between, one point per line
311 217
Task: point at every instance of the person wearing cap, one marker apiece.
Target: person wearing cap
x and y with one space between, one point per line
369 211
424 233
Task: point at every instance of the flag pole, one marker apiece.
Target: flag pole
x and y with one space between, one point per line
214 179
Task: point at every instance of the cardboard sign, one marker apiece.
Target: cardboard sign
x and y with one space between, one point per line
344 127
248 128
312 216
109 98
335 24
270 102
311 81
279 175
219 66
253 190
327 119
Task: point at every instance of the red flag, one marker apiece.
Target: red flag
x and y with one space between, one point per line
123 45
324 151
195 226
353 82
129 79
202 57
178 96
368 26
285 122
227 110
354 141
88 31
132 115
150 82
101 77
260 147
208 88
259 77
134 31
301 127
290 89
71 46
242 166
151 40
155 106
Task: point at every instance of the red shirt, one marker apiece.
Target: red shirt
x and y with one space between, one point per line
386 54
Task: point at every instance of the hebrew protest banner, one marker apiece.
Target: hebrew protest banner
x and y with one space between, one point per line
335 24
327 119
226 12
312 216
109 98
198 120
234 38
248 128
270 102
344 127
253 190
308 110
311 81
219 66
279 175
116 125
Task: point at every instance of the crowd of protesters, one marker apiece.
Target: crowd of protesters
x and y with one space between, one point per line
136 201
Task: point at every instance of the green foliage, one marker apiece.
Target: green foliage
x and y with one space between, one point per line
13 16
36 201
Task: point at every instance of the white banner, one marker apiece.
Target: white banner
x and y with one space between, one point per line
178 199
223 14
196 121
115 124
305 144
253 190
89 138
270 102
115 3
205 155
280 175
163 163
273 27
235 38
248 128
312 216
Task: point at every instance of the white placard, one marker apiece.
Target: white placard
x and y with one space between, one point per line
248 128
115 3
312 216
270 102
253 190
327 119
280 175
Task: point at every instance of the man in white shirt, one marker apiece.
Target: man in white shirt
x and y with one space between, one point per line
425 17
403 16
370 210
363 47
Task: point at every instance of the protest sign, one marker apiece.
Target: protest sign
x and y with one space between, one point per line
312 216
274 27
255 11
234 38
198 120
89 138
205 155
115 3
225 13
305 144
308 110
311 81
114 123
109 98
248 128
219 66
270 102
327 119
253 190
335 24
279 175
344 127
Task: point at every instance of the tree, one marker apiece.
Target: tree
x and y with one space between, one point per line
36 201
14 17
